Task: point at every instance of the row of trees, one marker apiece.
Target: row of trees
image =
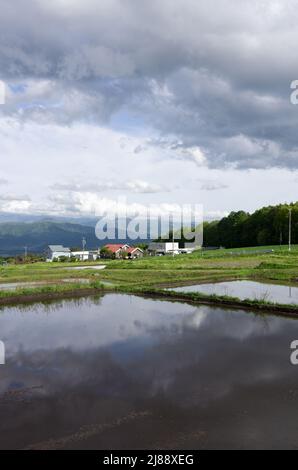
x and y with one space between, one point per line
21 259
266 226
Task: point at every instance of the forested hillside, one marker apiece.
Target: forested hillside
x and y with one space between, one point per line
266 226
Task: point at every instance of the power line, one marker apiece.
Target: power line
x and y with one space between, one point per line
83 244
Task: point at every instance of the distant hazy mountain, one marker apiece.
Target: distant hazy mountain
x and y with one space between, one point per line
14 236
27 218
38 235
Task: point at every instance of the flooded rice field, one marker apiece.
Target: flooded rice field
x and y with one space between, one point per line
123 372
18 285
80 268
246 290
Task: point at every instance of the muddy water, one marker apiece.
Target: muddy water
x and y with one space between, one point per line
122 372
247 290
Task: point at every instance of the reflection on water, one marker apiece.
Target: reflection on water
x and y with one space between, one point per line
247 290
79 268
16 285
122 372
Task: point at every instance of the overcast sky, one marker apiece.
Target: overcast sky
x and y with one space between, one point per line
167 101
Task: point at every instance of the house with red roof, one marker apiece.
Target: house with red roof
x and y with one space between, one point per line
134 252
117 250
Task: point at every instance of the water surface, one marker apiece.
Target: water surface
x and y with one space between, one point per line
122 372
79 268
30 284
247 290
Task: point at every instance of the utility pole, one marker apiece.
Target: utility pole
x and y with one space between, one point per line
26 251
290 229
83 244
173 239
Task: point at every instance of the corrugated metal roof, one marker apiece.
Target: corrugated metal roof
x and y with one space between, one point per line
59 248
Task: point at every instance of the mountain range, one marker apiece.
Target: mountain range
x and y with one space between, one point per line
36 232
36 236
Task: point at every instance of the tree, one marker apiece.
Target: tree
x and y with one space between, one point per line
266 226
106 253
143 246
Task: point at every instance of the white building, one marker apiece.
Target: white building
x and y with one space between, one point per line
85 255
54 252
80 255
189 248
57 251
163 248
94 255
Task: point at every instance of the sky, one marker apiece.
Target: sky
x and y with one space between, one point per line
161 102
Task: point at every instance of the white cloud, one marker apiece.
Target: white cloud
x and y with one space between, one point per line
87 203
210 185
99 103
14 198
134 186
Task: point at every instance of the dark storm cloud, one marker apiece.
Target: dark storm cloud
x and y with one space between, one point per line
209 74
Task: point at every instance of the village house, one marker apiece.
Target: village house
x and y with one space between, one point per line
80 255
55 252
118 250
94 255
135 252
163 248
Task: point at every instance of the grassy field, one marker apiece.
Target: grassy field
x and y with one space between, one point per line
279 265
149 273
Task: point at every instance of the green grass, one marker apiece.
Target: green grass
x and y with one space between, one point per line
50 289
222 300
157 272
